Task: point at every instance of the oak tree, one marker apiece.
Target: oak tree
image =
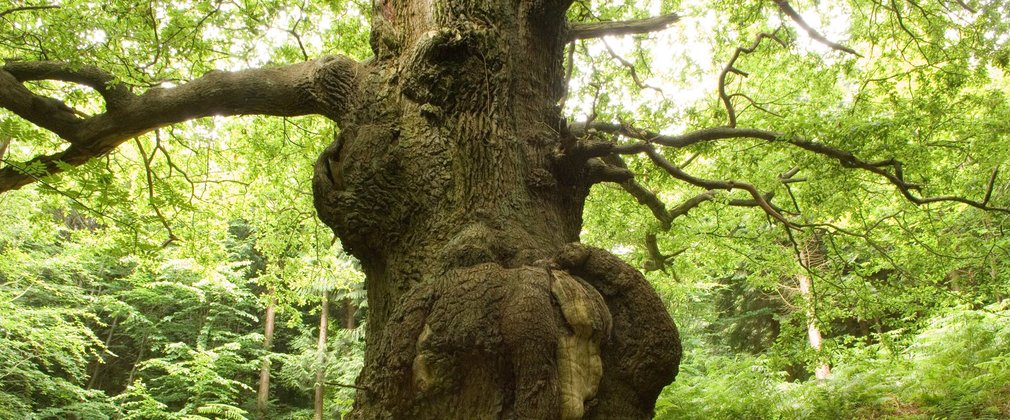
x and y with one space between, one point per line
459 183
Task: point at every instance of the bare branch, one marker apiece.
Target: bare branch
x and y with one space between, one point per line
730 68
600 148
656 259
709 195
786 8
889 169
323 86
666 217
788 177
642 194
26 8
760 199
340 385
691 203
150 192
569 70
629 27
790 173
631 69
966 6
988 188
684 140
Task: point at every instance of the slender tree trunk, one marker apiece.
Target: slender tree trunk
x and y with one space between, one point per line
140 358
823 370
811 257
263 395
459 186
324 322
349 309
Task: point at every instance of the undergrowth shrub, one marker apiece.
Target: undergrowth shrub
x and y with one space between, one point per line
957 367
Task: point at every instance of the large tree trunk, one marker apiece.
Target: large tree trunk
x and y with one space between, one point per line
457 184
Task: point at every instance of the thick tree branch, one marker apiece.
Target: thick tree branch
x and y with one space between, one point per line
323 86
630 27
101 81
48 113
786 8
684 140
600 171
692 202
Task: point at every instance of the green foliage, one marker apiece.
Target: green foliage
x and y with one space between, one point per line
88 310
44 352
928 90
344 359
137 403
956 367
134 286
196 381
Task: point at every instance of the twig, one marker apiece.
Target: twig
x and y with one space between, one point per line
26 8
298 89
631 69
643 195
760 199
340 385
35 178
150 189
731 68
966 6
889 169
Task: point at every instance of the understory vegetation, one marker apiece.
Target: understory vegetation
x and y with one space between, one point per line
138 285
96 325
955 366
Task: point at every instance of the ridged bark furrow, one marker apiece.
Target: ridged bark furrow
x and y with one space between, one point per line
445 181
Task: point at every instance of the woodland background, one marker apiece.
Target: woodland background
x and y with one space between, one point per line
137 285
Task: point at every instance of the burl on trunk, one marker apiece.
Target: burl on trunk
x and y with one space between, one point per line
456 182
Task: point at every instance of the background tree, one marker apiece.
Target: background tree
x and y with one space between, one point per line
460 186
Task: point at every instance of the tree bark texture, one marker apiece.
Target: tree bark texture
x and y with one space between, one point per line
456 182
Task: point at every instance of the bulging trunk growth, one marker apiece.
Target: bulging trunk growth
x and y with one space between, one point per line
457 184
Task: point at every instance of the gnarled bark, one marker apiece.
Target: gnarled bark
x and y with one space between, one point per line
456 183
